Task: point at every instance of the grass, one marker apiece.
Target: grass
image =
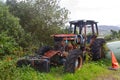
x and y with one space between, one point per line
90 71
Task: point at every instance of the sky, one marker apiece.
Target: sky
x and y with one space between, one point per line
106 12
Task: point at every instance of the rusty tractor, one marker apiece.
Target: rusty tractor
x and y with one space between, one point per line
69 49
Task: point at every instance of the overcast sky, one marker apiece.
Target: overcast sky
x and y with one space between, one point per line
106 12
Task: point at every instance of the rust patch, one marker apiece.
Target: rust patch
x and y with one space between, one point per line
51 53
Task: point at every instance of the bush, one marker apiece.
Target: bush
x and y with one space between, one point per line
7 44
13 38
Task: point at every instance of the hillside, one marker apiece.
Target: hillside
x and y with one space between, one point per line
105 29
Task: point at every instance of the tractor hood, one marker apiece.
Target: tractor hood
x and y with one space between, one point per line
64 35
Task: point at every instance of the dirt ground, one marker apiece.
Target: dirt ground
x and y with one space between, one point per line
112 75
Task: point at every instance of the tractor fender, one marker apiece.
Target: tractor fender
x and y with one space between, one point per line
51 53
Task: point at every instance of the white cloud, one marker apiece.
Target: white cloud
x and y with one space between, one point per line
104 11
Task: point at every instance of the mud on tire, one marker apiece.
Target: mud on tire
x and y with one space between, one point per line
73 61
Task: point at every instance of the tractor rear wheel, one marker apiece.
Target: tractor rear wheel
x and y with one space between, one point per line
73 61
98 49
43 50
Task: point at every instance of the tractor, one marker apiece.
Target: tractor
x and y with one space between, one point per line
69 49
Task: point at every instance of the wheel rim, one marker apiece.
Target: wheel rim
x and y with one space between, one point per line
78 63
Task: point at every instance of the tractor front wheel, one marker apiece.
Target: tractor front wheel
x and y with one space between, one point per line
73 61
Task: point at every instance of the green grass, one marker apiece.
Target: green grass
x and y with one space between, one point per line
90 71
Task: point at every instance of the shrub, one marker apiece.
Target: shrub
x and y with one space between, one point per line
7 44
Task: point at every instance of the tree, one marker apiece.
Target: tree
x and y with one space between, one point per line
8 22
119 34
10 25
39 17
115 35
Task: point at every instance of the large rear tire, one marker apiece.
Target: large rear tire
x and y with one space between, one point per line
98 49
74 61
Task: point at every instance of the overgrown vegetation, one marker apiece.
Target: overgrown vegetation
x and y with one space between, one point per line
11 33
27 25
89 71
41 18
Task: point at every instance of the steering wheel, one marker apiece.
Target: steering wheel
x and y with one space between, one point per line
79 39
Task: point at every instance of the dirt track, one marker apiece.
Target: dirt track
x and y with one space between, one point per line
112 75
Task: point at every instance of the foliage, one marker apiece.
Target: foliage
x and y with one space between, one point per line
115 35
7 44
89 71
10 25
13 38
39 17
